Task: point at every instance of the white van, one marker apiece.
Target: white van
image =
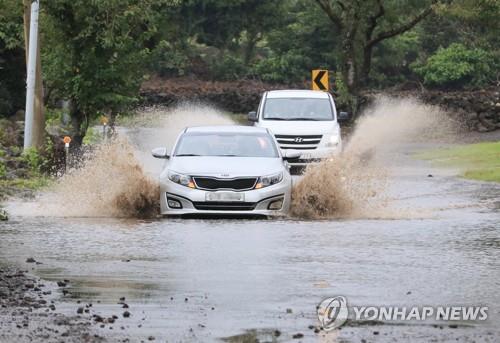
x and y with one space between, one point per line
303 121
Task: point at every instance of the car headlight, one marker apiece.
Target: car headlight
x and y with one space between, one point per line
181 179
269 180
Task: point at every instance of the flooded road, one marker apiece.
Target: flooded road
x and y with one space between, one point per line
428 239
204 280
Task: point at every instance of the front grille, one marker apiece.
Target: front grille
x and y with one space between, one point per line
300 160
225 206
238 184
299 142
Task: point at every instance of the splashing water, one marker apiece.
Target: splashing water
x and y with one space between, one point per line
116 179
159 127
353 184
111 183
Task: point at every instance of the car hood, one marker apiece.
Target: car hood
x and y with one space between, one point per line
279 127
224 167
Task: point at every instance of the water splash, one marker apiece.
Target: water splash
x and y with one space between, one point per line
118 179
354 183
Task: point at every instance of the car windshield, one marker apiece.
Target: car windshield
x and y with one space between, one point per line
229 144
297 109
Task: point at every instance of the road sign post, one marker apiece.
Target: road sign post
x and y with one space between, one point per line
104 121
320 80
66 140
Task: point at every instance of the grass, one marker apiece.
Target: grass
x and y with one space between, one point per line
33 183
479 161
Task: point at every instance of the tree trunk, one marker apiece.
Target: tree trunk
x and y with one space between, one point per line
77 125
364 75
349 67
249 48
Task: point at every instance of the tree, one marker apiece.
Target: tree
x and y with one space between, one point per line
362 25
457 66
214 39
12 67
303 41
94 54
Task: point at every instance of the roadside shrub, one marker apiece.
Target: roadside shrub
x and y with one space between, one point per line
168 60
9 134
3 170
93 136
33 159
457 66
227 67
285 68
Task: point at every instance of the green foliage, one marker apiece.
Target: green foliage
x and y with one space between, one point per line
11 57
227 67
33 183
38 161
33 159
97 53
457 66
402 50
283 68
169 60
3 170
92 137
343 98
11 24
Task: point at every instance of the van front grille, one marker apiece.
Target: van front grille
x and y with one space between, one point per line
299 142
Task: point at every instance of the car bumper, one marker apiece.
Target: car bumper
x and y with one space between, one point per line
256 202
314 156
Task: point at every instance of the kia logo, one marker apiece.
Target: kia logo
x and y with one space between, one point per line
298 140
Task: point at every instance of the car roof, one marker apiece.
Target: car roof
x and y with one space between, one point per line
227 128
297 93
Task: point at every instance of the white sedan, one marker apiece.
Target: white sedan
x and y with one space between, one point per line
225 170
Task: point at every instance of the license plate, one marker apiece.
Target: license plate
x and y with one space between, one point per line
306 156
224 196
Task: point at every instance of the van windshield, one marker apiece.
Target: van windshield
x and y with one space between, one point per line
297 109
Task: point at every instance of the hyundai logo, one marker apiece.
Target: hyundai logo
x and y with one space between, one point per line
298 140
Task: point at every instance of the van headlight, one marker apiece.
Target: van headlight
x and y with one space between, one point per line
269 180
181 179
334 140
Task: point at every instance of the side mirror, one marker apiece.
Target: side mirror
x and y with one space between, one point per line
343 116
160 153
252 116
291 155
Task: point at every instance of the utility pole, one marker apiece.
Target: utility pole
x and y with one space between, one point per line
34 115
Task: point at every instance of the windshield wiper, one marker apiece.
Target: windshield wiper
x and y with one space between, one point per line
310 119
180 155
291 119
228 155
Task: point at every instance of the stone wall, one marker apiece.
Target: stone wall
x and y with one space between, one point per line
233 96
480 109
